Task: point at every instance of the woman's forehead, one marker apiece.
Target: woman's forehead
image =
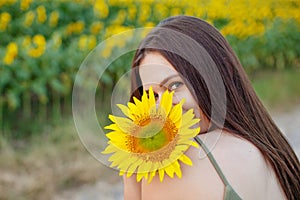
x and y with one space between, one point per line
155 74
154 58
154 68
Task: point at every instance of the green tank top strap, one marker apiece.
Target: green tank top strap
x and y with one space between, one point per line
212 160
230 193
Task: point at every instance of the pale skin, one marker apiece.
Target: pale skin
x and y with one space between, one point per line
241 162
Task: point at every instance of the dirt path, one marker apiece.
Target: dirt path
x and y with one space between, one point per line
288 122
99 191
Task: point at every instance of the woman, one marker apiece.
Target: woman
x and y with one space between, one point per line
251 159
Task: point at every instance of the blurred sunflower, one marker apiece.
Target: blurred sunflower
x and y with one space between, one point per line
152 139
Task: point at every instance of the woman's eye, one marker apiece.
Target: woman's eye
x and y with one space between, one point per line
174 85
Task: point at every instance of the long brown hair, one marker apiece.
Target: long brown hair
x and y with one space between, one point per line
245 115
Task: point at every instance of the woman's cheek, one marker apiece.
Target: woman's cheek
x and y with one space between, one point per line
176 98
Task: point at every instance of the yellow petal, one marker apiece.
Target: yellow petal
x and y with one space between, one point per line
145 101
144 108
145 167
125 124
181 148
128 174
141 175
133 167
170 170
121 173
151 98
186 160
187 116
126 111
161 173
118 158
112 127
154 167
116 135
176 114
188 123
188 133
152 174
134 110
117 139
177 169
187 143
110 149
166 101
166 162
175 155
126 163
194 144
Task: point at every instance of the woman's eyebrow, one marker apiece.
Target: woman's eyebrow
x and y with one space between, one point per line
167 79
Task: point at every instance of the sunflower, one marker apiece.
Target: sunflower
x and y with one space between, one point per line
152 138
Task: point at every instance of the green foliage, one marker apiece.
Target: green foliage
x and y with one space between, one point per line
275 49
279 90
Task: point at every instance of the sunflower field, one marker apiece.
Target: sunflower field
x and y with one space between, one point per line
43 42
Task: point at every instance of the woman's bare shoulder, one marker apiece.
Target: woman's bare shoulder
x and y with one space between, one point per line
239 148
234 153
243 165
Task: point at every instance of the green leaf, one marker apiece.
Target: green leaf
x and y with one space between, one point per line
13 99
57 86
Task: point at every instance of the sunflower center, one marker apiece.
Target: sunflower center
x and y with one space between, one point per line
152 137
